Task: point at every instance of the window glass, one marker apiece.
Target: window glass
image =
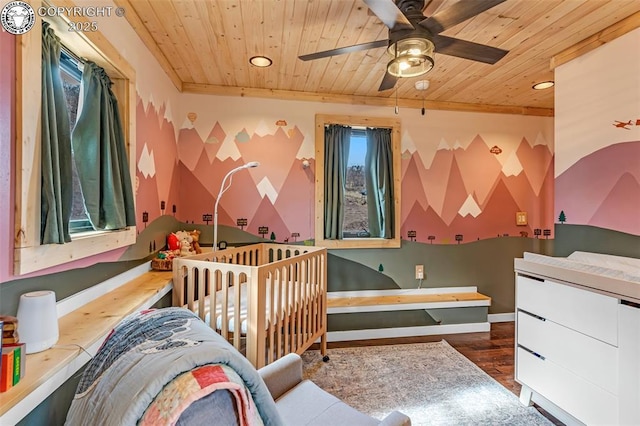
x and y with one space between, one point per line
71 73
356 220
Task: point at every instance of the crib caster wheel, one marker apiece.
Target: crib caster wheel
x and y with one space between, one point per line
325 358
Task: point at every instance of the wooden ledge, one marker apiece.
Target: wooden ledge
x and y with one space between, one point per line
85 327
404 299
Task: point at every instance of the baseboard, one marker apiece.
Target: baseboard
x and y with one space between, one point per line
427 330
506 317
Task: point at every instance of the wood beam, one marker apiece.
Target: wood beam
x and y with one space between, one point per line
212 89
616 30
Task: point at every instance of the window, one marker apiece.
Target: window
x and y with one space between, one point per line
71 73
356 219
355 230
29 254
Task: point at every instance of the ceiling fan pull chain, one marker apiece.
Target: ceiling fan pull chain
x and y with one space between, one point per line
397 110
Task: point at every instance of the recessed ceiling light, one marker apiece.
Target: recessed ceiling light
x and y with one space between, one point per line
421 84
543 85
260 61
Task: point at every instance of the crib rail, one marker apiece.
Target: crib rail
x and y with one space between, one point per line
283 309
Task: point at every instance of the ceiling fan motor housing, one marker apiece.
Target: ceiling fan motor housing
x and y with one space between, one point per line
411 49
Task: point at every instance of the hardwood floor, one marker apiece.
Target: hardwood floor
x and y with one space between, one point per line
493 352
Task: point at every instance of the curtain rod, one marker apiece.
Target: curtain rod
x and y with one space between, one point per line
73 55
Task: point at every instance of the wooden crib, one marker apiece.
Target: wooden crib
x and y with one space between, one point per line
269 299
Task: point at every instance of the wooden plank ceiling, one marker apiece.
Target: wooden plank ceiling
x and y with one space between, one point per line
204 46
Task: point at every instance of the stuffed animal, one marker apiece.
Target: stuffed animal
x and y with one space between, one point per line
195 243
184 243
185 248
173 242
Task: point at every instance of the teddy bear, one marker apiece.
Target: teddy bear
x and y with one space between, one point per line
184 243
195 241
185 248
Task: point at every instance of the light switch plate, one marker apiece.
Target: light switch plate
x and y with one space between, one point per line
521 218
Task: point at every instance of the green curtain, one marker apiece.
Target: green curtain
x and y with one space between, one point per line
379 183
337 139
100 153
56 186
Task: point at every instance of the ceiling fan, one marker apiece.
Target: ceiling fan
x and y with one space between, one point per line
413 38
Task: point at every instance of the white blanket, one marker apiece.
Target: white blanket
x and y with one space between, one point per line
243 311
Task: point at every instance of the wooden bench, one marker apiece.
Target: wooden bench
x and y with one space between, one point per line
412 299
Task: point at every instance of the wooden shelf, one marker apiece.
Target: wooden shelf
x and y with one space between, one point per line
405 302
83 328
400 299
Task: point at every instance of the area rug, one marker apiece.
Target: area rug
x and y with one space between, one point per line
432 383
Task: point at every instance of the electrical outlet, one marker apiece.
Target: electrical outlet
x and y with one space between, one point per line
419 272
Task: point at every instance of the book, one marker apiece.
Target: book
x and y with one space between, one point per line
19 361
6 375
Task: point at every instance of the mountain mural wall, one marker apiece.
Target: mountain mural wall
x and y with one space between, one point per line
597 135
469 192
463 191
157 169
603 189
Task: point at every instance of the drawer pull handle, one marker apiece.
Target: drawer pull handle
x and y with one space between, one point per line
531 277
532 315
630 303
532 352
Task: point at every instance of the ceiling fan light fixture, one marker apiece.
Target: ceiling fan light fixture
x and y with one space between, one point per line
260 61
411 57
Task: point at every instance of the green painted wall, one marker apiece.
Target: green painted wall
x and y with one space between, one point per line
486 264
570 238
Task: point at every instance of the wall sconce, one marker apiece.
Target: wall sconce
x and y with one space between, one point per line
224 189
305 163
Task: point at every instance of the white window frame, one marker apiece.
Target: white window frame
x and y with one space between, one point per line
29 254
349 120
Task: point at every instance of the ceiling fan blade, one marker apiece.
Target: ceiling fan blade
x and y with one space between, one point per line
389 14
456 13
388 82
467 49
343 50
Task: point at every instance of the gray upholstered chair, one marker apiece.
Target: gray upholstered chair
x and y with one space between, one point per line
302 402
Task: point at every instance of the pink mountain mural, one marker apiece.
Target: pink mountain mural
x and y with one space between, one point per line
156 163
433 198
147 199
535 163
295 199
602 189
276 153
479 168
280 178
266 215
620 207
280 193
417 195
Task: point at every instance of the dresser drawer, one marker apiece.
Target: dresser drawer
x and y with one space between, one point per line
589 358
593 314
585 401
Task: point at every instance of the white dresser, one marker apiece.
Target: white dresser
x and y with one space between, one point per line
578 341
